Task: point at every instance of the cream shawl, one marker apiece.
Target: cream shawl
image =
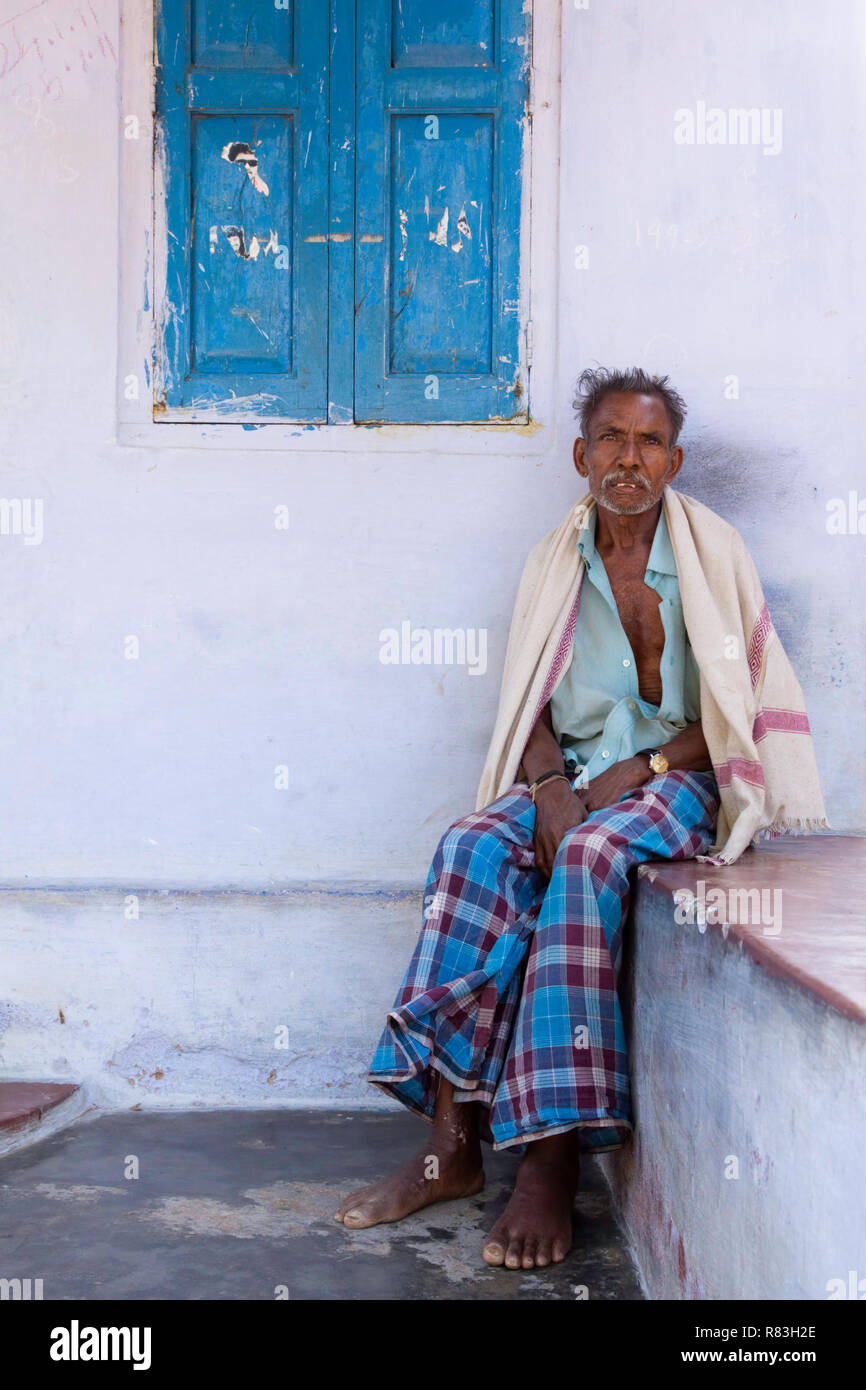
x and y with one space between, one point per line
752 709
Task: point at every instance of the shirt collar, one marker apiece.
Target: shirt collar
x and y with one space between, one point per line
661 556
586 537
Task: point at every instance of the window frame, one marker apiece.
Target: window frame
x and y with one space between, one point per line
143 262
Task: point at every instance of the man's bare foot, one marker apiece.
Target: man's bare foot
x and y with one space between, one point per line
450 1167
535 1228
442 1173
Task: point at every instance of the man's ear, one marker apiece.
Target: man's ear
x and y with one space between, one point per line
676 462
579 455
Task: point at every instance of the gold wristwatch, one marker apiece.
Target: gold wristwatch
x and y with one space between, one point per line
657 761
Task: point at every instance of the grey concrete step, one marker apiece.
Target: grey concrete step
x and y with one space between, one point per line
239 1205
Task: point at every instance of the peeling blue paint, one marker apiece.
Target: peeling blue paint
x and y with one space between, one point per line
243 115
441 91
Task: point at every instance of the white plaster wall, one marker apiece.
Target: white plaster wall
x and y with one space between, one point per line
202 998
261 647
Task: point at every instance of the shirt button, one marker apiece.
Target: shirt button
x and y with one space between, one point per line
626 662
605 753
632 705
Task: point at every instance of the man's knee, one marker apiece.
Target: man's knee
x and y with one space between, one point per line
466 837
589 846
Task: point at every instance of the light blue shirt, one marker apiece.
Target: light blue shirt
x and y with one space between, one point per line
597 712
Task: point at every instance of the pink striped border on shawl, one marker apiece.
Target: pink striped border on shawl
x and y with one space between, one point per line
783 721
739 767
757 642
561 654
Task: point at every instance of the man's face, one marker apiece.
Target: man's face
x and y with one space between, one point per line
628 458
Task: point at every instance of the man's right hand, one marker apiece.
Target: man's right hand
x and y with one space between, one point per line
557 810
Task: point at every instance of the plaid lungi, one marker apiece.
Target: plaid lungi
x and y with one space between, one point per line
512 989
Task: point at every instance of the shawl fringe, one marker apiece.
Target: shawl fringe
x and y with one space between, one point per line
794 825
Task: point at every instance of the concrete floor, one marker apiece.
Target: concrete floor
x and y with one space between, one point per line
232 1204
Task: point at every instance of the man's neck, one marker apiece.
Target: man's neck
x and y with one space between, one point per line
618 532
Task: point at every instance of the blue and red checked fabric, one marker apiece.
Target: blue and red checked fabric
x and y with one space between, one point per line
512 989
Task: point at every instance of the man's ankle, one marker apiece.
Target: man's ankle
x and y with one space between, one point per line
560 1152
450 1141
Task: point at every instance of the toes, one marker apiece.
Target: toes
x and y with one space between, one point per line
494 1252
529 1255
514 1254
357 1217
542 1256
347 1204
561 1248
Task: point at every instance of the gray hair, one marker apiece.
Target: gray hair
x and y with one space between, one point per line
595 383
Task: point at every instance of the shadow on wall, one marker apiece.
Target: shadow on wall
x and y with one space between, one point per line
734 482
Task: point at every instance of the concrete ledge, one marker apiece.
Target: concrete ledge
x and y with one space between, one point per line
31 1110
179 999
795 904
748 1052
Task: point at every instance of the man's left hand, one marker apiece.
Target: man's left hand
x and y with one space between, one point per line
614 783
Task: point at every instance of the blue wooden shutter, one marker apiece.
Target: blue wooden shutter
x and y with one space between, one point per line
441 112
242 103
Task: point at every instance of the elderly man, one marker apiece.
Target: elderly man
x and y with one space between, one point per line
647 711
